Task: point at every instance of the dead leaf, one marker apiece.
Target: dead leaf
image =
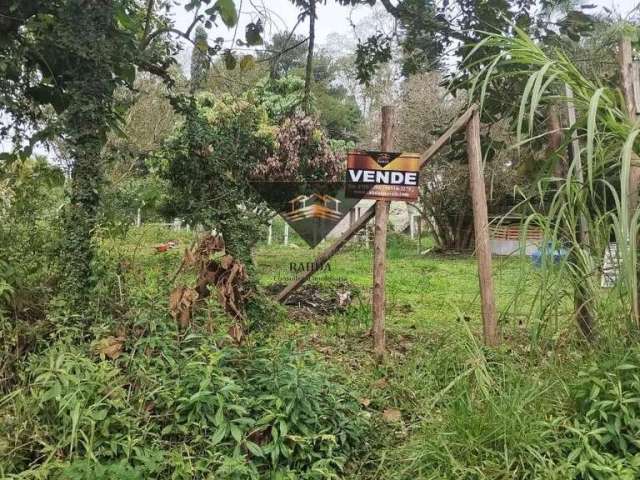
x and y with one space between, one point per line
236 332
391 415
365 402
226 262
381 383
326 350
110 347
181 302
189 258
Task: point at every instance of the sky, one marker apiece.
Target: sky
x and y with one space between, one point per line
333 26
333 18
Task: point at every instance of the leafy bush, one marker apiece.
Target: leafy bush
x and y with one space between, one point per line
31 192
29 235
188 411
309 420
601 440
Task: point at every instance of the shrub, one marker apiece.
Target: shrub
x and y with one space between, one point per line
601 441
191 411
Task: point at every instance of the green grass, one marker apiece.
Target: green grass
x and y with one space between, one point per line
422 290
466 412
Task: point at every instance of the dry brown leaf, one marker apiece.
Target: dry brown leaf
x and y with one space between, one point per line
236 332
381 383
189 258
174 301
181 301
226 262
110 347
391 415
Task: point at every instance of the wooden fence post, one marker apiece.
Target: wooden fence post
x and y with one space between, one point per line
625 59
481 229
380 244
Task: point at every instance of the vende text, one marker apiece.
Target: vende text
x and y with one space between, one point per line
383 177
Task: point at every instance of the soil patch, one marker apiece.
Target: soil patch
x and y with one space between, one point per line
318 299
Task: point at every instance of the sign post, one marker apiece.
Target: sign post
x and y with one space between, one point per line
380 246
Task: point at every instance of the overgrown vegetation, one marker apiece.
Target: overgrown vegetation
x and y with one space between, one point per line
113 367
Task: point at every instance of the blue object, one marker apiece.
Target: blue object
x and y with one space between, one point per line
556 255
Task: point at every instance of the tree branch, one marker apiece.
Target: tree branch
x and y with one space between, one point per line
147 23
161 31
393 10
282 52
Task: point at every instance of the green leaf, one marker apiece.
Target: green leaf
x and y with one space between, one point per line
236 433
229 60
219 435
284 429
99 415
254 449
247 63
125 20
228 12
219 418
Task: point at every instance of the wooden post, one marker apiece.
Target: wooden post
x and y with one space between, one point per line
626 83
412 232
625 58
321 259
481 228
380 245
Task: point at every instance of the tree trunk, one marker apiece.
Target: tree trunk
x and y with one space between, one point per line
85 123
309 68
555 140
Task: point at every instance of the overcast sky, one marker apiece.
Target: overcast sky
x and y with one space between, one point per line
332 18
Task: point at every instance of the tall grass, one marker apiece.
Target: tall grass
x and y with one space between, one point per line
599 201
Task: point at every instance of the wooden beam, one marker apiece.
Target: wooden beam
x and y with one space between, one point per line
481 229
380 245
370 212
435 147
625 54
328 253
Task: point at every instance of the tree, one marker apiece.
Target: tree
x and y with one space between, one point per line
293 48
427 108
199 60
57 86
227 142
